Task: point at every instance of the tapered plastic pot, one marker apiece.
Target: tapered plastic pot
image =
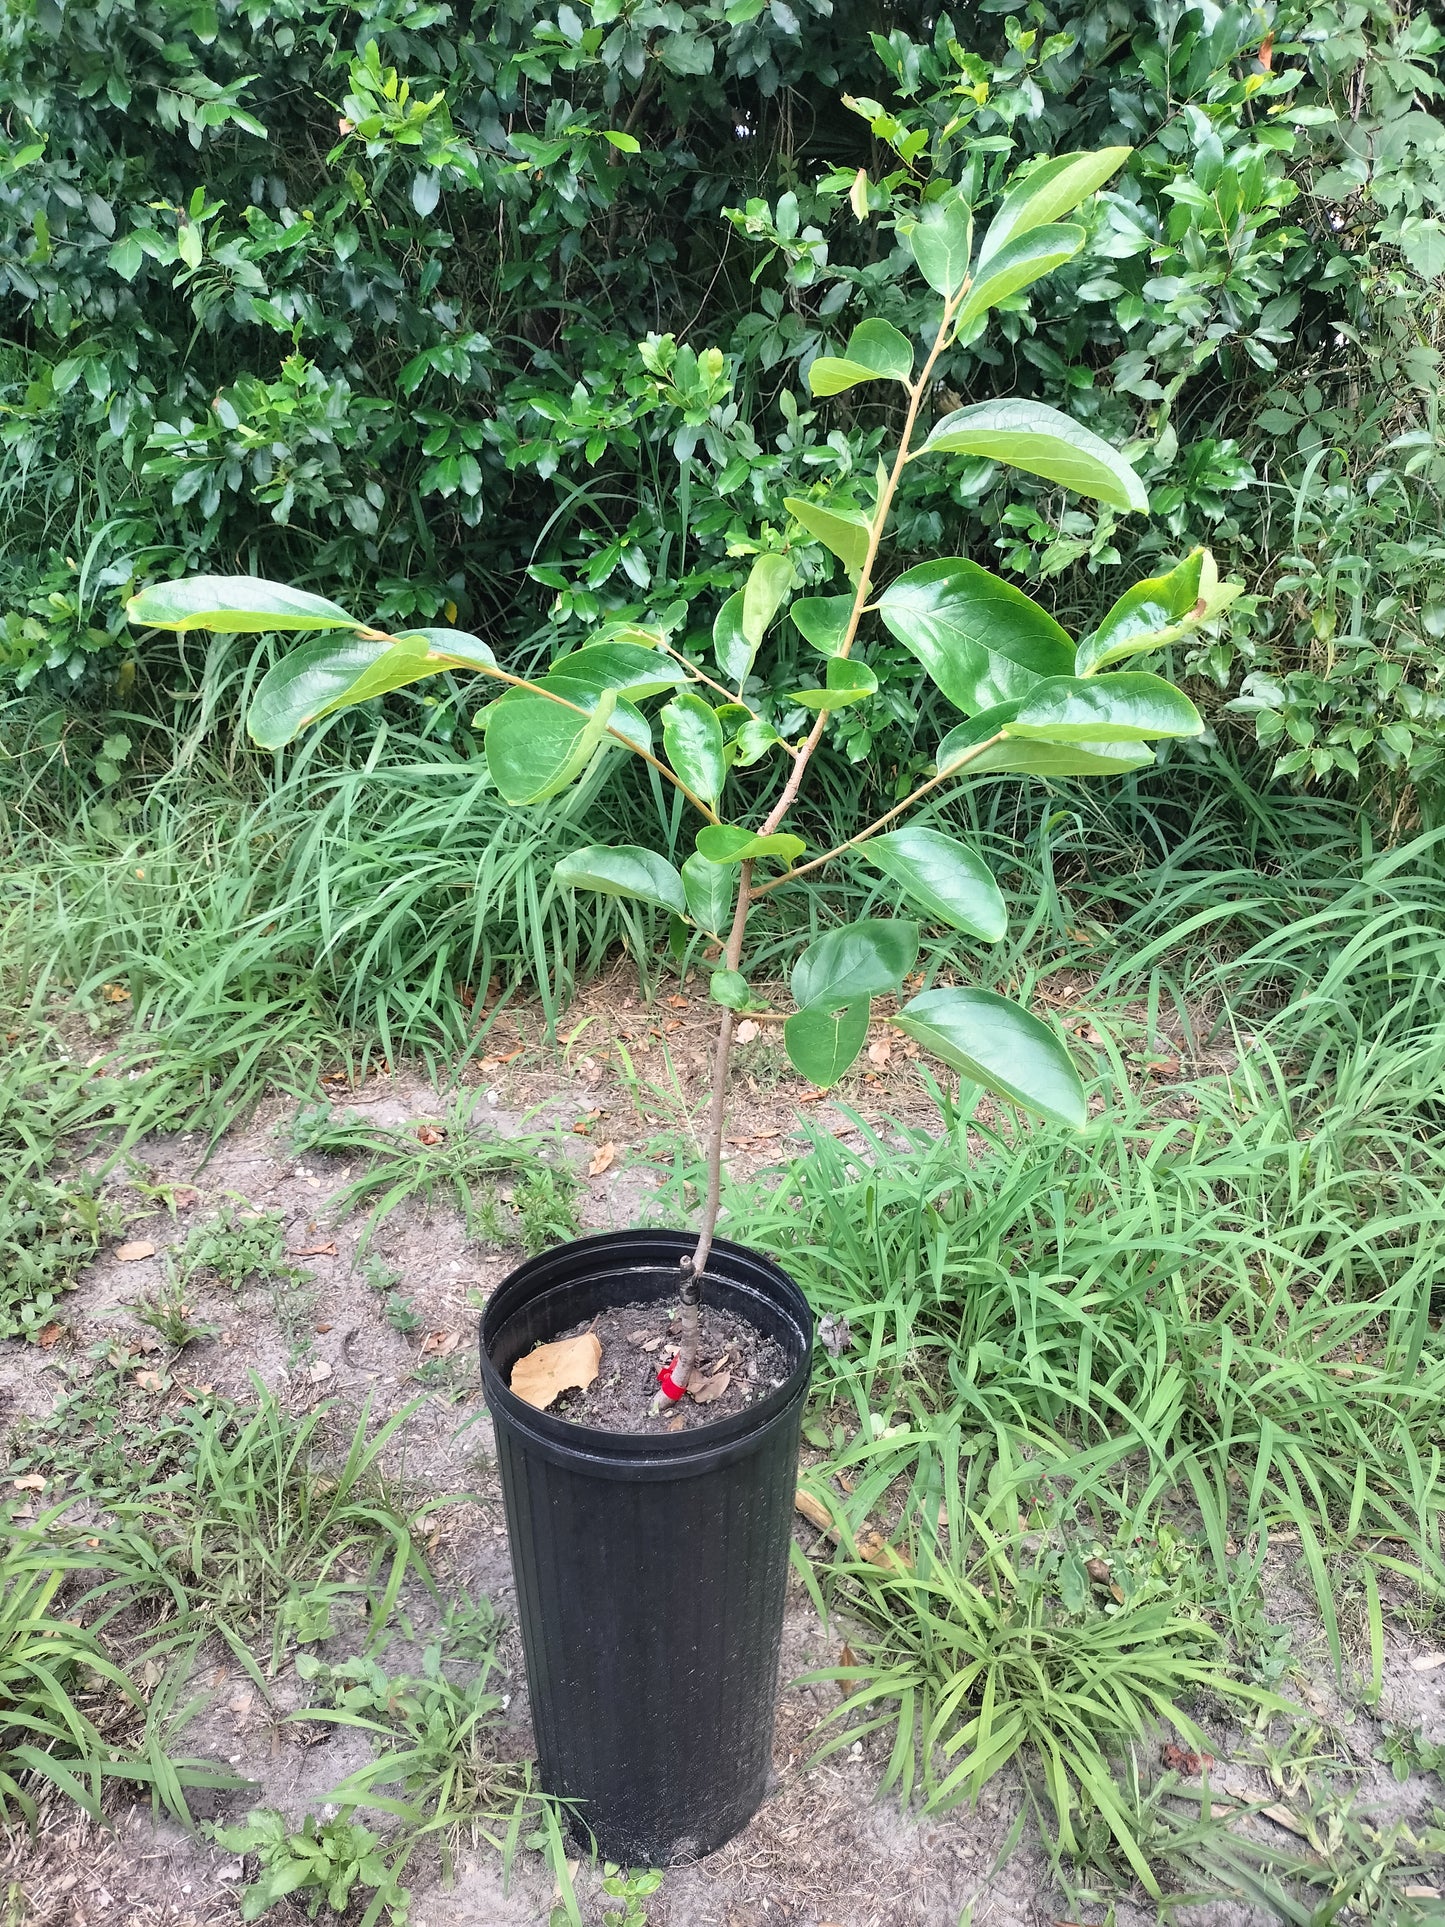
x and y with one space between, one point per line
650 1568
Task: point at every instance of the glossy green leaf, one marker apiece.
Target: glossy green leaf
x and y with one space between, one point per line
624 666
941 241
730 989
625 870
1156 612
997 1044
1048 194
822 1044
730 646
454 648
693 740
326 674
726 843
981 640
1017 757
876 351
234 605
823 620
1129 706
847 682
769 580
942 877
1041 441
536 748
869 958
1025 260
847 532
753 741
711 889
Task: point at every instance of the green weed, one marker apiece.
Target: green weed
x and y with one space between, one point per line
328 1863
236 1247
50 1229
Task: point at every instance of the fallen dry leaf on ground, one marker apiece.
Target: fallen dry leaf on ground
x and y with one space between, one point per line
637 1338
1426 1662
711 1388
115 993
29 1482
150 1381
746 1031
137 1249
879 1052
567 1364
1180 1760
318 1371
428 1134
48 1335
653 1343
440 1344
876 1550
601 1160
314 1251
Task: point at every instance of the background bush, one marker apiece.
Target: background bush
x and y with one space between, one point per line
503 314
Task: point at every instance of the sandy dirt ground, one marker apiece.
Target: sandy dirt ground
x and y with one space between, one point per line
824 1851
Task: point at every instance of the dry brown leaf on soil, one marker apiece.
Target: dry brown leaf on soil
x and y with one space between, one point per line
150 1381
429 1134
1180 1759
813 1510
879 1052
115 993
601 1160
49 1335
711 1388
876 1550
185 1197
133 1252
1098 1571
746 1031
653 1344
318 1371
675 1424
566 1365
1426 1662
847 1658
637 1338
29 1482
314 1251
440 1344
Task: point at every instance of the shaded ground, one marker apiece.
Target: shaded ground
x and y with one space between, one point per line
823 1849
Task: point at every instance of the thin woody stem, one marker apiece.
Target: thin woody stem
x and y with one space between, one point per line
959 764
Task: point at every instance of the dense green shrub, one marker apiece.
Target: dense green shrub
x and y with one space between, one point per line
503 315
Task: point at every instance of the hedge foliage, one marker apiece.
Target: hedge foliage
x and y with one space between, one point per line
502 315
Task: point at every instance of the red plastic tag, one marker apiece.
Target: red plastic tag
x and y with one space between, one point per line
669 1388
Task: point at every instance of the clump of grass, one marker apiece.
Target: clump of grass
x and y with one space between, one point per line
174 1322
447 1157
235 1247
50 1229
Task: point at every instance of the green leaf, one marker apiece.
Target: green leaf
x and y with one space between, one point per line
326 674
234 605
453 648
1157 611
1017 266
753 741
995 1043
624 871
940 242
943 877
624 666
726 843
823 620
730 646
847 532
1129 706
1049 193
710 889
693 739
126 257
1021 758
876 351
769 580
821 1044
730 989
981 640
847 682
865 959
1041 441
536 748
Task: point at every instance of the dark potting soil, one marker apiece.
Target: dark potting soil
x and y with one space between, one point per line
637 1340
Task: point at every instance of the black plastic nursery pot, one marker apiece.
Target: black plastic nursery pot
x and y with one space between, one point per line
650 1569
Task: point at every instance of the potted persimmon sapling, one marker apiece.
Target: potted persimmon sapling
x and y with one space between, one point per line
649 1529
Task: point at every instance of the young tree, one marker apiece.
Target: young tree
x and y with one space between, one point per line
1032 700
